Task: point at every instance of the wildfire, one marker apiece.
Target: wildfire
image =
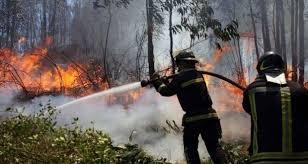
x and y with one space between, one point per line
39 71
36 72
210 66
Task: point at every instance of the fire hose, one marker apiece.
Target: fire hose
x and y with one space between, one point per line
145 83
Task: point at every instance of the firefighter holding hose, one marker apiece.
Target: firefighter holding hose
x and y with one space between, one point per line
279 115
200 118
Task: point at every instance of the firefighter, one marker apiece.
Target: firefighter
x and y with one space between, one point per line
279 115
200 117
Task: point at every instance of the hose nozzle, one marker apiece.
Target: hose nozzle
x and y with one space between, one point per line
145 83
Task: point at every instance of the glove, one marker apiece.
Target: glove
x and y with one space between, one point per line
155 77
145 83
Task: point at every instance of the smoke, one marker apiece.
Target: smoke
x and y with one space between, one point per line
142 122
6 97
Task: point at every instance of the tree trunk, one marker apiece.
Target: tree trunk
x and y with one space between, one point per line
52 25
265 29
301 42
277 27
8 24
254 29
44 21
294 38
150 24
283 31
106 69
14 22
171 35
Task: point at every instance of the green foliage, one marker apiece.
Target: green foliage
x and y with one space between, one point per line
37 139
236 152
197 17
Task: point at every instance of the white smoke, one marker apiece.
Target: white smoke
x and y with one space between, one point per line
137 123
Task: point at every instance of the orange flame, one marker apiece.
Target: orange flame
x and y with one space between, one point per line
36 72
210 66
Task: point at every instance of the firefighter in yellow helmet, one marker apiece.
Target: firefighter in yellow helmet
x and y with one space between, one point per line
279 115
200 117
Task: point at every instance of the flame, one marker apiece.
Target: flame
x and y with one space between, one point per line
36 72
210 66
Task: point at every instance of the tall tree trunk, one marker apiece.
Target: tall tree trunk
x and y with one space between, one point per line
254 29
52 25
150 24
301 42
277 27
171 35
2 27
241 75
106 69
32 38
8 20
294 38
13 27
282 31
265 29
44 21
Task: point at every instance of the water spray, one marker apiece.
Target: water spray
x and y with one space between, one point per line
111 91
145 83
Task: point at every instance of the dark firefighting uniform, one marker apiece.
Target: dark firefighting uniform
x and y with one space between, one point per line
200 117
279 116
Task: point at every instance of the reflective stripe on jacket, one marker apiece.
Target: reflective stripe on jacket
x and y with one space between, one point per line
279 115
191 90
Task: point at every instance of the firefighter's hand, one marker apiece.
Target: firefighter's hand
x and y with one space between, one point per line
155 77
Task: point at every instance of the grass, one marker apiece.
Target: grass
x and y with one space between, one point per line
38 139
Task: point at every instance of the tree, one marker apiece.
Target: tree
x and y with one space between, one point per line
301 42
169 6
197 17
277 27
108 4
254 29
44 21
282 31
294 23
150 29
265 26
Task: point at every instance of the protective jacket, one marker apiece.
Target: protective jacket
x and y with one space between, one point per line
192 93
279 116
200 118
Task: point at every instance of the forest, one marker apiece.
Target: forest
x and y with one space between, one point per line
97 39
56 51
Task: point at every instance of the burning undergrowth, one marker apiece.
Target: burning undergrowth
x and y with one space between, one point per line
42 72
